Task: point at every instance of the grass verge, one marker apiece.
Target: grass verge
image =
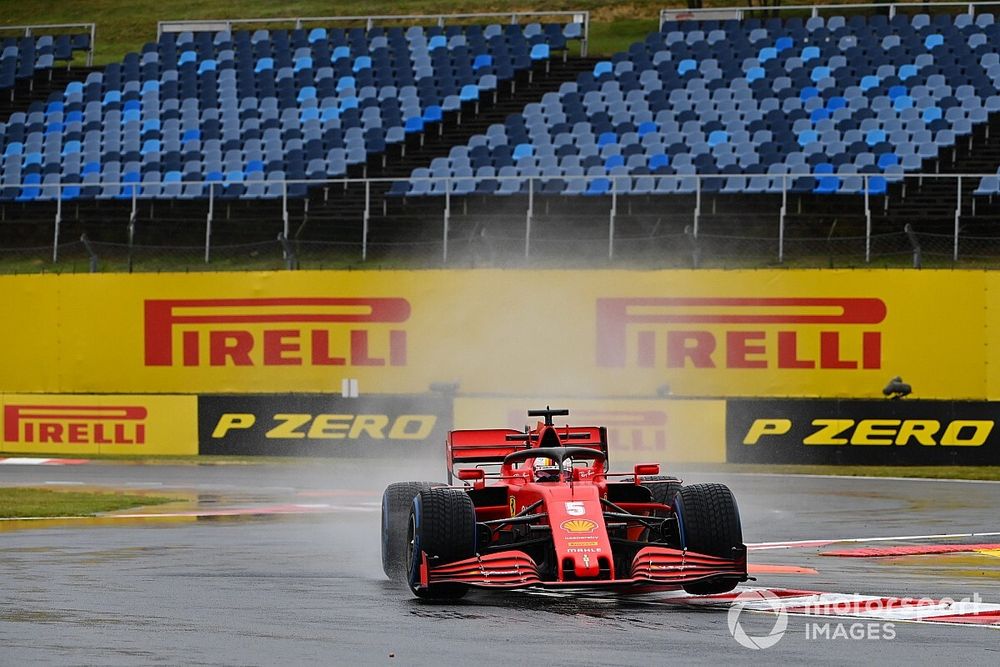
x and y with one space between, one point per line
29 502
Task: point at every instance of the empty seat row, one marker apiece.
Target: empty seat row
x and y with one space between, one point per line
875 96
22 57
315 102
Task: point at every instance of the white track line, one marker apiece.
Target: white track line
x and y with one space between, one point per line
809 605
792 544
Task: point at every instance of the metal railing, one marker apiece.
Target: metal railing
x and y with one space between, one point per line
891 8
440 20
46 28
612 202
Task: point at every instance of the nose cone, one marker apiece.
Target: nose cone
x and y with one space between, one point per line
585 566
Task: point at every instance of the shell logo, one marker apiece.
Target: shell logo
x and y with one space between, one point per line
578 526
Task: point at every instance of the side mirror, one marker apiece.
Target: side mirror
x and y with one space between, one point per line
471 474
646 469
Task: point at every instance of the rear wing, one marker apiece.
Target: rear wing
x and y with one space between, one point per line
491 445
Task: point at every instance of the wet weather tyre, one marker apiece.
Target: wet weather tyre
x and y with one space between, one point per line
396 503
443 525
661 487
709 523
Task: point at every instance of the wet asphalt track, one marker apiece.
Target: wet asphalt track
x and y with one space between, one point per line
308 589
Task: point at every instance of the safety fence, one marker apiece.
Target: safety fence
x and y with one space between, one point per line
670 220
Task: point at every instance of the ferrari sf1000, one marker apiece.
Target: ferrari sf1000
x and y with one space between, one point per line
539 508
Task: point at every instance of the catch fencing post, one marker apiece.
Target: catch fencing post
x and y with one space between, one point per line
90 252
284 207
868 225
291 261
364 221
915 243
697 205
958 215
208 219
131 231
58 222
527 220
693 242
55 239
131 242
781 218
447 218
611 219
132 218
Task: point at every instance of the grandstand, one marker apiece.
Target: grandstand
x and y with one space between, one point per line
31 58
498 135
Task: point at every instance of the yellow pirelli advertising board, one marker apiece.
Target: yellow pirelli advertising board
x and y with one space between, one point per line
825 333
639 430
80 424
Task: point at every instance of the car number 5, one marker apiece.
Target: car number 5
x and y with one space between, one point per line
575 508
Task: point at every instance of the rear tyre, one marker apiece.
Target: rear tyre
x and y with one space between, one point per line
396 503
443 525
709 523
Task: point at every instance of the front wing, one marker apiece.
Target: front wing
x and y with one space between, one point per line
656 567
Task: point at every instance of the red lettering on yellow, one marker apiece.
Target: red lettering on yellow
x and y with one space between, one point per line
359 350
321 350
738 348
788 356
829 351
699 351
276 344
232 345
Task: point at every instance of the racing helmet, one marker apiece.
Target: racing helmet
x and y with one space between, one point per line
548 470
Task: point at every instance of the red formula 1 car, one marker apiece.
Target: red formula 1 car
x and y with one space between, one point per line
549 514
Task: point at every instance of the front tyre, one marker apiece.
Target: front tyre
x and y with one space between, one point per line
443 525
396 503
709 523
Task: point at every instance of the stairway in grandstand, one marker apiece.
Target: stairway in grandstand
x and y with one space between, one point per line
39 88
336 213
925 203
929 204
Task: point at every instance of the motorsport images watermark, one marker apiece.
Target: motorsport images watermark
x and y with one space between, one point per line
860 618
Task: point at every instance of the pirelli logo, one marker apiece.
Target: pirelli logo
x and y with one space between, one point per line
75 424
740 333
321 331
